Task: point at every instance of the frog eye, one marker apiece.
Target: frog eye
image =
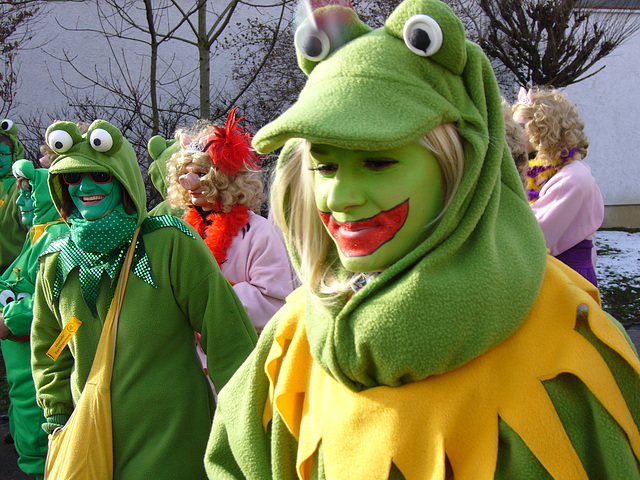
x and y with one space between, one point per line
6 124
100 140
312 43
423 35
22 295
59 141
6 297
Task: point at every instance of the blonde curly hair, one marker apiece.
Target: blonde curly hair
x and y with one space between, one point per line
515 142
554 126
243 188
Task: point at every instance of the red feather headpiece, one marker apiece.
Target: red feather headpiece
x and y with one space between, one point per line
230 147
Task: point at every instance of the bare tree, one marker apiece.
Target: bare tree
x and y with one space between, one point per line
552 42
15 16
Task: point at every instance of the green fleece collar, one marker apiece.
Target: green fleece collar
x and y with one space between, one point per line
472 283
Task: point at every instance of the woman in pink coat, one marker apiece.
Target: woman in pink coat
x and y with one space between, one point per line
563 193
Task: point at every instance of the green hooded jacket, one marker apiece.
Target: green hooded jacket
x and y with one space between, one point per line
460 299
162 403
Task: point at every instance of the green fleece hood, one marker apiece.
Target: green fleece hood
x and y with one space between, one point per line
473 281
44 209
8 128
101 149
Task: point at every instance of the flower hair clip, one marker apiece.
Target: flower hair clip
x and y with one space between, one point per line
194 147
525 97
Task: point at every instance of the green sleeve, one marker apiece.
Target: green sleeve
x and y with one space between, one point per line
213 309
51 378
238 446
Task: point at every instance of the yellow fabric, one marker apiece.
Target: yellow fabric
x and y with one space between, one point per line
83 448
455 414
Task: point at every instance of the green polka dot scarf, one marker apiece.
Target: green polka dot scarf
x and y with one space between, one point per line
100 246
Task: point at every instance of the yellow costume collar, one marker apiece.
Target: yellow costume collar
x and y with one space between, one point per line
453 415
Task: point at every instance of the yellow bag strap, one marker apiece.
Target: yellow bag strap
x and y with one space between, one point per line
105 353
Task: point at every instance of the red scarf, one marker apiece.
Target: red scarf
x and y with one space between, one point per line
218 228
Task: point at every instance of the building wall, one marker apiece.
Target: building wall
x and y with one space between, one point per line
609 103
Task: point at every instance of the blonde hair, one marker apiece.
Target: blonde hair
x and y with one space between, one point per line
294 210
515 142
554 127
243 188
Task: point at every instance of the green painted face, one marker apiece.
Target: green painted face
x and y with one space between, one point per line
5 159
94 199
25 203
376 205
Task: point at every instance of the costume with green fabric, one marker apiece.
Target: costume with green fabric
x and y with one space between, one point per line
161 150
162 404
12 231
437 368
25 416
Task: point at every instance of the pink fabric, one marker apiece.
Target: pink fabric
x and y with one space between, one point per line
258 265
570 208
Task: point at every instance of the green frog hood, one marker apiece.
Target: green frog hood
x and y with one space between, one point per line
8 128
160 149
471 284
44 209
101 149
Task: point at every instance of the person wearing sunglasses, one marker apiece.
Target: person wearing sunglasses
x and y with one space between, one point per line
161 401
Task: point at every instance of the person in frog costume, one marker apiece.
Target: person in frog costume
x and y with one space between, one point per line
12 230
16 315
407 353
161 401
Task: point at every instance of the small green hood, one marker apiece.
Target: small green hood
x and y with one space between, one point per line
44 209
101 149
161 150
473 281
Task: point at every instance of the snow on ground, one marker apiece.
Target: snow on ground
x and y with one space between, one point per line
619 257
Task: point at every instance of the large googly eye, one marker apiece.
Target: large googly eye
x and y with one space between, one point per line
22 295
312 43
423 35
6 297
6 124
59 141
100 140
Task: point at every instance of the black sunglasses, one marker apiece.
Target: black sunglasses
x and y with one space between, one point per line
76 177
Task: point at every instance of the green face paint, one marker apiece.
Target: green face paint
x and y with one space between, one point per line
95 200
25 204
5 159
376 205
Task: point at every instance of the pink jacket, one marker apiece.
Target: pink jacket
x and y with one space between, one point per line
258 265
570 207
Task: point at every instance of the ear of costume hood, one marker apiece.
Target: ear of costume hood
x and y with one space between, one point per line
44 209
120 161
160 150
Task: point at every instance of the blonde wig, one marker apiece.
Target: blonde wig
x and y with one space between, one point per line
294 210
554 126
515 141
242 188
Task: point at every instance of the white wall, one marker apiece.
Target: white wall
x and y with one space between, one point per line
609 103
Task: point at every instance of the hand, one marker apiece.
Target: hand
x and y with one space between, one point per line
4 330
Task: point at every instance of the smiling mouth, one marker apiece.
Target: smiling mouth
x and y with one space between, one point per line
363 237
91 199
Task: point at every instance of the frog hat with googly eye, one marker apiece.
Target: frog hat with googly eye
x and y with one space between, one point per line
102 148
386 88
9 128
